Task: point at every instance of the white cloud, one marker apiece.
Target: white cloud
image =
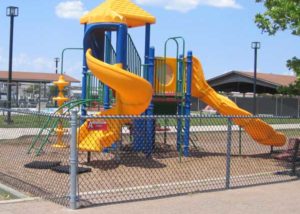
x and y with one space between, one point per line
74 68
187 5
24 62
22 59
1 56
43 64
221 3
70 9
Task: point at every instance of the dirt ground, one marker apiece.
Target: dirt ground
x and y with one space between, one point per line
133 176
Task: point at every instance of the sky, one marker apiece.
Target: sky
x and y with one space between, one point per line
219 32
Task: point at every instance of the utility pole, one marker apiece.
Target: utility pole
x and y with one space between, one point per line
56 60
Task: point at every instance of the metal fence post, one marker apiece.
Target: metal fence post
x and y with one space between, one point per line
298 107
240 140
73 161
228 152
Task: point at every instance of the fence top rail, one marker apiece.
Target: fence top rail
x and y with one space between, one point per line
194 116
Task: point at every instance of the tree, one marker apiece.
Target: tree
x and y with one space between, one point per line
292 89
53 90
31 90
282 15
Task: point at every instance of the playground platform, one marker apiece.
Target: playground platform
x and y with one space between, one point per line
276 198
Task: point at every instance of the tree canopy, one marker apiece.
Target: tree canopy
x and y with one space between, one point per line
282 15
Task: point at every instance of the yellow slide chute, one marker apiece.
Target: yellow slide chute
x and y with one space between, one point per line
260 131
133 96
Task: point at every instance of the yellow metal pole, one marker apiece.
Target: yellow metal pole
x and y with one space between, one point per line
60 99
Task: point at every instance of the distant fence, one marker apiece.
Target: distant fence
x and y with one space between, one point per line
42 163
266 105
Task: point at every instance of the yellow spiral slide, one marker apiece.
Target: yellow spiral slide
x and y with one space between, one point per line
260 131
133 96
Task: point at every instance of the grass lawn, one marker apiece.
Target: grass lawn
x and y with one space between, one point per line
30 121
38 121
224 121
6 195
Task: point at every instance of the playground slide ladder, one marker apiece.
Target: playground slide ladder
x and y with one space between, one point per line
180 51
48 129
42 138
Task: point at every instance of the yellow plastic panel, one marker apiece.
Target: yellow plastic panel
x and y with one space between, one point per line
118 11
171 74
133 96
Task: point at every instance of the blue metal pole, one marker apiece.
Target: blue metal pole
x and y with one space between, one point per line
149 75
179 108
140 130
84 77
106 100
151 62
188 102
150 122
147 48
122 45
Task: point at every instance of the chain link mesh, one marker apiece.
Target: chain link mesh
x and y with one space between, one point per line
131 169
28 154
126 158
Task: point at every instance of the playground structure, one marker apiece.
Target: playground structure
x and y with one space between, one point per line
161 85
173 81
134 97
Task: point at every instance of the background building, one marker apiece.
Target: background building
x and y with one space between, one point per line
238 86
29 88
239 81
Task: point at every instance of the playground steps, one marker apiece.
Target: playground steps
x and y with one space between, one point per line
42 138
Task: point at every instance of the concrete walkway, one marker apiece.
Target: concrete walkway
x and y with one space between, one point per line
280 198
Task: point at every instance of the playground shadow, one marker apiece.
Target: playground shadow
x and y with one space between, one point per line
165 151
128 160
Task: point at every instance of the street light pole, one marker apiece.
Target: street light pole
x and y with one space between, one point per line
255 46
56 60
12 12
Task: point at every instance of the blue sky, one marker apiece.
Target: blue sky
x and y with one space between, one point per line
219 32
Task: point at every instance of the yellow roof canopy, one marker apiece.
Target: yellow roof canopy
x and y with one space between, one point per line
118 11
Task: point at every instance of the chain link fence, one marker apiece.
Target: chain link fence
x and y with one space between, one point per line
30 150
125 158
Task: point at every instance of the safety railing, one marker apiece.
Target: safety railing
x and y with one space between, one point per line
134 62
